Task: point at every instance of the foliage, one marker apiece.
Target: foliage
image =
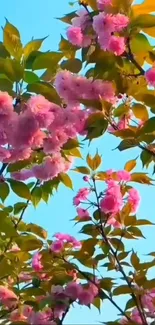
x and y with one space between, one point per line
43 115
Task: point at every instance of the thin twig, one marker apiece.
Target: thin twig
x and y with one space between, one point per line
101 292
116 258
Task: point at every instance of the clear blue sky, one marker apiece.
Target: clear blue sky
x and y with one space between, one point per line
36 18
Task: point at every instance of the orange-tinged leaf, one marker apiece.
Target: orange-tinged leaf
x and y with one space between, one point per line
146 7
141 178
135 260
95 162
130 165
140 112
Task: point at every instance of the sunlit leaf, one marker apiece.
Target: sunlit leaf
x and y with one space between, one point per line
82 170
66 180
94 162
46 60
32 46
11 40
20 189
130 165
4 191
73 65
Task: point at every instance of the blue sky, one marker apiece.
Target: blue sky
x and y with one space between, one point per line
35 18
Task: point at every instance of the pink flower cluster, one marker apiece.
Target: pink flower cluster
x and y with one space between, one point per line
75 291
28 315
150 76
7 297
36 262
61 239
148 303
73 88
77 33
105 25
113 200
104 4
41 125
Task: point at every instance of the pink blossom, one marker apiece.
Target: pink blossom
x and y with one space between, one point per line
73 290
19 154
123 176
57 289
22 175
40 108
134 199
25 277
136 316
86 297
120 22
103 4
75 36
103 23
57 246
93 289
50 168
68 164
68 239
36 262
116 45
83 214
4 154
14 248
6 104
86 178
112 201
82 20
82 195
7 297
150 76
148 300
17 316
113 222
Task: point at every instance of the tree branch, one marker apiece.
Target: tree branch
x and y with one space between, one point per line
114 253
131 58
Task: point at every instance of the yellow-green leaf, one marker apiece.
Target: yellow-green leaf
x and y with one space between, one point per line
4 191
140 112
130 165
32 46
135 260
46 90
73 65
37 230
20 189
36 196
66 180
82 170
11 40
47 60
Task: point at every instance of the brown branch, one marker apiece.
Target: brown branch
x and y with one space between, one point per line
114 253
131 58
101 292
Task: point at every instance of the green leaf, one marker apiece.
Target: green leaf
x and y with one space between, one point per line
73 65
127 144
3 52
12 69
130 165
30 77
29 243
32 46
18 207
4 191
121 290
67 48
7 227
140 44
47 60
148 127
20 189
144 21
71 144
11 41
36 196
6 85
68 18
46 90
82 170
66 180
146 158
140 112
95 162
37 230
135 261
18 166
